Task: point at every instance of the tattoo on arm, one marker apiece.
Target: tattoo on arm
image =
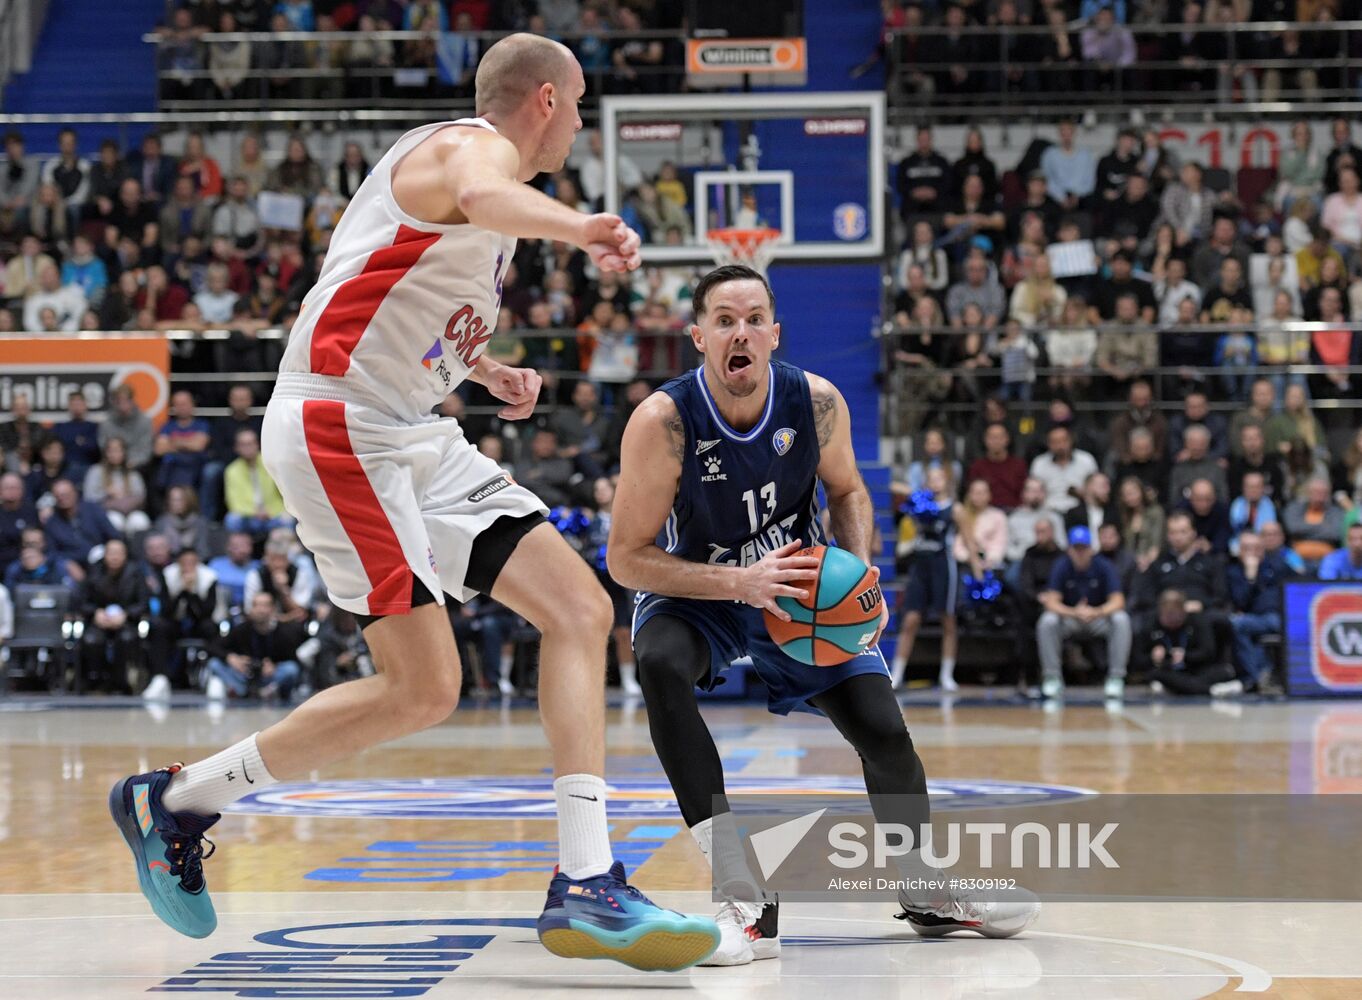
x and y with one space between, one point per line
676 435
824 416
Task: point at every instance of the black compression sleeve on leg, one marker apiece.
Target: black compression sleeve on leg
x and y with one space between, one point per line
672 655
865 711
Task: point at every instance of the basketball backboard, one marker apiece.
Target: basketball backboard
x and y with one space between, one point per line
810 165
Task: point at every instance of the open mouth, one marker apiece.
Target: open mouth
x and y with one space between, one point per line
739 363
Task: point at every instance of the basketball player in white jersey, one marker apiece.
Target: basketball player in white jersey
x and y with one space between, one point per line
399 508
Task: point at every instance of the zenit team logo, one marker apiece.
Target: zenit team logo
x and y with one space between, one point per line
532 798
1336 638
783 440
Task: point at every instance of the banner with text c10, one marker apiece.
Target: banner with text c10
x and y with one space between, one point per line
49 369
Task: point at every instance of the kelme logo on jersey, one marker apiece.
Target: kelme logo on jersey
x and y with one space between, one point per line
469 333
783 440
713 465
495 486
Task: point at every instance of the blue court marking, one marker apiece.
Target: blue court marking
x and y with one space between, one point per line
463 860
653 832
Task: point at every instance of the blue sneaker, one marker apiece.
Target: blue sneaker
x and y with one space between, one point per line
168 850
604 917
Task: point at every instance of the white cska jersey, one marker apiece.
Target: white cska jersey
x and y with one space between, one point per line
403 309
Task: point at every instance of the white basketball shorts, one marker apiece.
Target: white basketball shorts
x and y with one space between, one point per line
380 501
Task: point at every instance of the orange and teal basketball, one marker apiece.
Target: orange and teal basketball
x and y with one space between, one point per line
840 616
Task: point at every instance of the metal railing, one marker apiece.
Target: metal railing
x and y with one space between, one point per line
1006 70
305 70
227 339
907 406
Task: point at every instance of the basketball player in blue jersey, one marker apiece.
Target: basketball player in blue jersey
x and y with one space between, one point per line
717 493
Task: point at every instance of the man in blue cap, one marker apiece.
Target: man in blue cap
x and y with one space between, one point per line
1082 600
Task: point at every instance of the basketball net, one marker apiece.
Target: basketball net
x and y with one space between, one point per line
753 247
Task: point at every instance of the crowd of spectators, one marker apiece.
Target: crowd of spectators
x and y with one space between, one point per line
110 515
148 241
623 47
964 49
1096 536
1113 281
152 241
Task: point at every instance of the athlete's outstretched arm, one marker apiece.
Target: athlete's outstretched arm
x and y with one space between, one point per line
650 470
480 173
850 512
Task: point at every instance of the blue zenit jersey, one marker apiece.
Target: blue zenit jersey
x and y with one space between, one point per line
742 495
936 533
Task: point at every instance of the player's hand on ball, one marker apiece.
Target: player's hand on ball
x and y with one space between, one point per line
778 574
518 387
611 244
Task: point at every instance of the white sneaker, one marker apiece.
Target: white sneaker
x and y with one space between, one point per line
629 681
1227 689
962 911
215 689
158 689
505 686
1114 689
747 933
946 680
1156 688
1051 688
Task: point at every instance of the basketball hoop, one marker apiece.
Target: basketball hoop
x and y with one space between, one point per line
753 247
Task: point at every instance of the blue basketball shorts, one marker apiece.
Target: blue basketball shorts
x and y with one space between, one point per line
933 584
735 630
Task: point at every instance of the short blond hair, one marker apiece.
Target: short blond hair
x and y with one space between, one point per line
517 66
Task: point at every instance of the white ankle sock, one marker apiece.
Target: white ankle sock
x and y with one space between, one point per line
211 785
735 878
583 842
896 673
947 670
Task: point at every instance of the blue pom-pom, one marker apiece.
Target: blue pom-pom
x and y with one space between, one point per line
569 520
983 590
922 505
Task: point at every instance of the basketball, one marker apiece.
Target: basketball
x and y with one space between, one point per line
840 615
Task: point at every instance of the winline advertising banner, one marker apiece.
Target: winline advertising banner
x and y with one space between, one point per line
49 369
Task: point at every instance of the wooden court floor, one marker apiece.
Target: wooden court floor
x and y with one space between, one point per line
417 869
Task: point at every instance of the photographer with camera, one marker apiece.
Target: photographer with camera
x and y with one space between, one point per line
260 657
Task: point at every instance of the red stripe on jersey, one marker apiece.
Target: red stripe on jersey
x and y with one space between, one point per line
362 517
352 308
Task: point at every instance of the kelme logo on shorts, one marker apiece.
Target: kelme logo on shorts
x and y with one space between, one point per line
495 486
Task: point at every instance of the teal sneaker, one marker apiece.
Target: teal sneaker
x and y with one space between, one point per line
605 917
168 851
